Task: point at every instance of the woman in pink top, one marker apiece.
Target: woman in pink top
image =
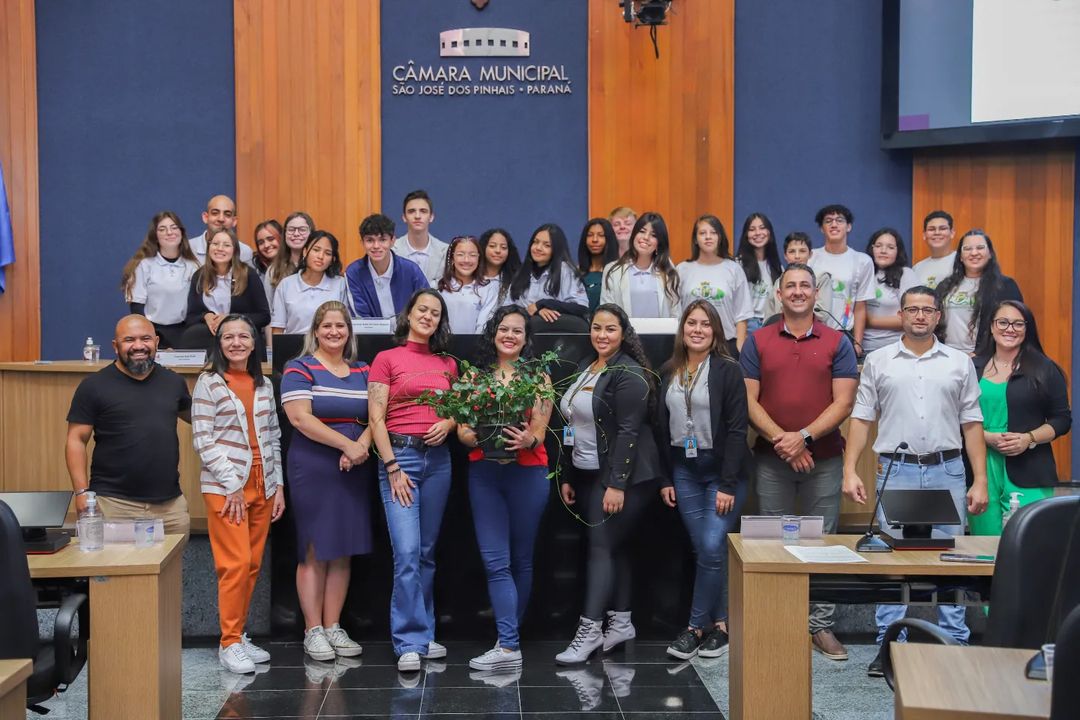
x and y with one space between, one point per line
414 466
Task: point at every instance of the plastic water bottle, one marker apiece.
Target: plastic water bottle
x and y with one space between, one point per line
1014 505
91 526
90 351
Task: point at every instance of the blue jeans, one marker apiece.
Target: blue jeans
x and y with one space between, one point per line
946 476
696 482
413 532
507 503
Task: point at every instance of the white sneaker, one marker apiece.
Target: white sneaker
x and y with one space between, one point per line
435 651
317 646
234 659
256 653
496 659
619 630
587 638
409 662
343 645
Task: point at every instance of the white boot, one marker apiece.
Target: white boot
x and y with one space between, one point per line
619 630
587 639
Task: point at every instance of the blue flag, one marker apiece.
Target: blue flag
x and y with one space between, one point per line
7 240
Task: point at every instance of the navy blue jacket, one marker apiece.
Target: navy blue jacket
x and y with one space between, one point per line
407 279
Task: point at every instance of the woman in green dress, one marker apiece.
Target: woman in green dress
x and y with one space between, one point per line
1025 406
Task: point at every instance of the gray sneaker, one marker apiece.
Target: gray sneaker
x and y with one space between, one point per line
343 645
435 651
497 659
316 644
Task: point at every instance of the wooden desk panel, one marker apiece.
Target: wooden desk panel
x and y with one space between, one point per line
13 674
940 682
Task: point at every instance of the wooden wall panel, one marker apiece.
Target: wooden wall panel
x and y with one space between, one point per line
1023 197
308 113
662 132
20 306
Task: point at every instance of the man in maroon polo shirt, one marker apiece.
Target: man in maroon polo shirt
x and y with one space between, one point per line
801 378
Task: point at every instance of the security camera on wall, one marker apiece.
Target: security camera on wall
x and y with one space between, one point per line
646 12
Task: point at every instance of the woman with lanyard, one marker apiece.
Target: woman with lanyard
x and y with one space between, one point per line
711 274
500 260
234 426
643 281
702 422
596 249
760 259
221 287
158 276
470 298
1025 404
318 280
508 497
892 276
609 462
548 285
324 393
971 293
414 467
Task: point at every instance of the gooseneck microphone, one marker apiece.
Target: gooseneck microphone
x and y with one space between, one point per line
818 309
870 542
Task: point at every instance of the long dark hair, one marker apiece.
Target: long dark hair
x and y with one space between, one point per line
631 343
661 259
150 248
723 246
990 282
679 355
1030 348
334 268
746 255
560 255
513 257
894 272
446 282
218 363
440 339
486 355
611 244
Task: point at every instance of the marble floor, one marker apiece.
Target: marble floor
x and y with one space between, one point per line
640 682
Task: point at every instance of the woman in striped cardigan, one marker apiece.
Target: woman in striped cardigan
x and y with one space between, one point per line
235 429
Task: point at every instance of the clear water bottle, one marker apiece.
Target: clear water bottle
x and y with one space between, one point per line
91 525
90 351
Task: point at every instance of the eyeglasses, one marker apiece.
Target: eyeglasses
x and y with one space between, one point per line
299 230
169 229
1004 324
835 221
915 311
973 248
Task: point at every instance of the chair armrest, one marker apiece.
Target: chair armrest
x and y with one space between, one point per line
70 652
893 632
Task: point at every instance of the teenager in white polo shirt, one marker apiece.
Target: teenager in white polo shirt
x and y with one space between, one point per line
318 280
417 244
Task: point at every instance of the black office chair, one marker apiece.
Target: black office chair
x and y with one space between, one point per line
1065 694
56 662
1036 580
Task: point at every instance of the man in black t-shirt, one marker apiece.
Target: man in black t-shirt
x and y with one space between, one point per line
130 407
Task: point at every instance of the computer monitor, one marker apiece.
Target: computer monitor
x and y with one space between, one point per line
40 514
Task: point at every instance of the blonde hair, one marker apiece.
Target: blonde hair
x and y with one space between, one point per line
621 212
311 343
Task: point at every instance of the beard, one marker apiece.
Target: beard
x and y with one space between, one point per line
138 367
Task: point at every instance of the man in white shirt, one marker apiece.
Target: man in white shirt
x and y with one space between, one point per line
925 394
938 233
852 274
417 244
220 214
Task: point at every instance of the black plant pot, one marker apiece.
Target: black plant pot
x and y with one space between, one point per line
493 443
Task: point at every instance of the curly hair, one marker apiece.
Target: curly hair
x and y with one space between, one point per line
440 339
486 355
150 248
631 345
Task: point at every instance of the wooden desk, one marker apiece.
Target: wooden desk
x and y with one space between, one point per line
769 589
134 650
941 682
13 674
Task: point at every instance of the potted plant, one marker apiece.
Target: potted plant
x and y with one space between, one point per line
480 399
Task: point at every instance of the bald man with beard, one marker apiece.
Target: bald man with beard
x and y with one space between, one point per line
220 213
130 407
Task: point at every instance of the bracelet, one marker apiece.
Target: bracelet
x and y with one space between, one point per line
391 472
535 442
82 492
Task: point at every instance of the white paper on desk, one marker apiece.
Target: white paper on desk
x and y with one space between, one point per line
825 554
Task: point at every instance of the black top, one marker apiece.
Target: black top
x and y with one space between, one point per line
624 438
1036 394
251 303
136 455
728 416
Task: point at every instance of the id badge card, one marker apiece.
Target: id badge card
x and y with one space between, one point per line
690 446
568 436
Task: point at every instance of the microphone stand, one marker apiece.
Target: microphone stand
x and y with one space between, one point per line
870 542
839 326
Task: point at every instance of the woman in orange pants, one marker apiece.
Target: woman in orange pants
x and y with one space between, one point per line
235 429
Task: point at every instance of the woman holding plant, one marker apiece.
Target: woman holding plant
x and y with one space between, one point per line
506 401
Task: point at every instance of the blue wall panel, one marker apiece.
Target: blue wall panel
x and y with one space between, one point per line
136 115
488 161
807 118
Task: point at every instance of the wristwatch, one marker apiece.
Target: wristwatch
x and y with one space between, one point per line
807 438
1034 442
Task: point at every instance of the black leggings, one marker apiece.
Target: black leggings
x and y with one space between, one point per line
608 578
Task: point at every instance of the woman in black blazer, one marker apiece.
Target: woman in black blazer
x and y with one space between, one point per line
221 287
609 463
1025 406
701 432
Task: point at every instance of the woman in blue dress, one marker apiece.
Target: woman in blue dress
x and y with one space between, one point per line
324 393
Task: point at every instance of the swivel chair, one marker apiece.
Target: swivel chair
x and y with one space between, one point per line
1065 694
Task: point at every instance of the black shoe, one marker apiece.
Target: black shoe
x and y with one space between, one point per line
715 644
876 669
685 646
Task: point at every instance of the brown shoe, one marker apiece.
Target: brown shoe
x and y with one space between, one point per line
826 643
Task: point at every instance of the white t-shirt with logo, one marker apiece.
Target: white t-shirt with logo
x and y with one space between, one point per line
724 285
959 308
852 281
931 271
760 292
885 303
